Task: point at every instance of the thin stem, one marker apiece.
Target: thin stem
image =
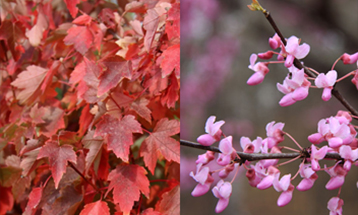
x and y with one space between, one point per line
347 75
293 139
289 161
84 178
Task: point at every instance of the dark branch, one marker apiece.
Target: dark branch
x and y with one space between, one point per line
258 156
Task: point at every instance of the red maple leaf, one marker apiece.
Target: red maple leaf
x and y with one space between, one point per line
71 5
172 27
118 133
150 23
94 144
99 207
172 93
171 61
160 143
34 200
116 70
58 157
81 37
170 204
29 82
127 182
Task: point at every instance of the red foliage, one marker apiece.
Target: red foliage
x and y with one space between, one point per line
89 107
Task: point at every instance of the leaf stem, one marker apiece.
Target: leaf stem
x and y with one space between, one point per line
84 178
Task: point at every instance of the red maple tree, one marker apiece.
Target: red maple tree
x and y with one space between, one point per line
89 107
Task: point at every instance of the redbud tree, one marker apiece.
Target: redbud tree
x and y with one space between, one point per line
89 107
334 139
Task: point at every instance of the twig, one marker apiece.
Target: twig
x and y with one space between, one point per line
258 156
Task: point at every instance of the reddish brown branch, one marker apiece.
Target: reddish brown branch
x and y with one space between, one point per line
258 156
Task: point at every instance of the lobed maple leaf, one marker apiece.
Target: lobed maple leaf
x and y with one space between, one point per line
171 61
160 143
71 5
99 207
94 144
81 37
127 182
172 27
58 157
29 82
118 133
170 204
150 23
34 200
116 70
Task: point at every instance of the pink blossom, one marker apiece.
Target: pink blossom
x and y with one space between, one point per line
283 185
296 88
253 178
275 41
335 206
334 130
326 81
349 156
266 56
349 59
355 77
226 171
222 191
227 152
337 174
204 179
267 181
205 158
317 155
309 177
274 133
295 50
251 147
260 69
213 132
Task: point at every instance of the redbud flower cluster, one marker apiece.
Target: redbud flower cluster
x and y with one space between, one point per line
296 85
336 130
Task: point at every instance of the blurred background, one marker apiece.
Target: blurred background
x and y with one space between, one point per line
217 39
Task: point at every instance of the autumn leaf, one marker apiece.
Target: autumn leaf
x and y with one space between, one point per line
118 133
34 200
128 182
171 61
81 37
94 144
172 93
58 157
71 5
53 117
99 207
115 70
160 143
172 27
170 204
6 200
150 23
125 101
29 82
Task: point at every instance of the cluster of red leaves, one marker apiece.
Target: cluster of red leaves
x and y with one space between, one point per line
89 107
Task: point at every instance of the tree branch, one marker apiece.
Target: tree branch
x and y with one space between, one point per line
258 156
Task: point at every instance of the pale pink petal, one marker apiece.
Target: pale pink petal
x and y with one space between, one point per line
206 140
287 100
222 204
335 182
285 197
255 79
